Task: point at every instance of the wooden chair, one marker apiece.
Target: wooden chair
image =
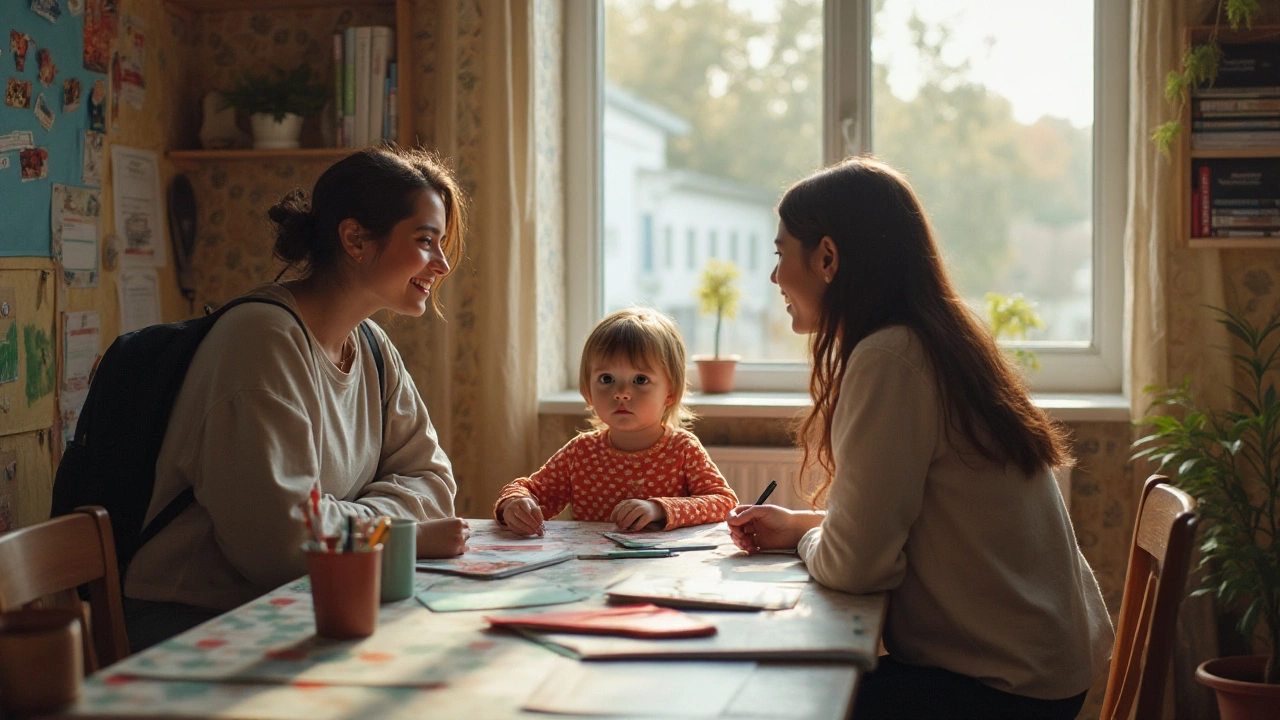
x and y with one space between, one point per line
1153 589
50 560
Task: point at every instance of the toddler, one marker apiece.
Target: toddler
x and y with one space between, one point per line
639 466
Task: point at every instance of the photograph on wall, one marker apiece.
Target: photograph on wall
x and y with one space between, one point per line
17 140
76 225
91 172
138 213
133 56
43 112
70 95
98 107
99 30
19 43
17 94
35 164
47 70
47 9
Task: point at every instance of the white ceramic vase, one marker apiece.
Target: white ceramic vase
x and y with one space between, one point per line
270 134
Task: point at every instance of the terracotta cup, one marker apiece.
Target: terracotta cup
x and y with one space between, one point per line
41 661
344 592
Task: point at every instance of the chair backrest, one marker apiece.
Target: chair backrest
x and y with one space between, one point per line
52 560
1153 589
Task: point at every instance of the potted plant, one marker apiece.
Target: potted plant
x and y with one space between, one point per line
1229 461
718 293
1011 317
276 103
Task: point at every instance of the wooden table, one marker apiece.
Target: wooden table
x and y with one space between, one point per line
467 671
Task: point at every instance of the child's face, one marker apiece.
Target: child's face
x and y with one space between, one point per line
629 398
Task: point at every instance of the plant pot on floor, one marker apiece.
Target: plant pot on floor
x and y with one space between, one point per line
715 374
1237 681
272 134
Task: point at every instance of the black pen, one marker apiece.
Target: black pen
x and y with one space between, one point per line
767 492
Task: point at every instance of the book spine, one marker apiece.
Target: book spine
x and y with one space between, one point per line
339 41
364 57
1264 233
1247 202
1205 191
1226 105
349 88
1232 125
380 50
1273 212
1231 221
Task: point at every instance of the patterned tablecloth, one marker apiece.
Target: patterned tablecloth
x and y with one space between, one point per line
263 659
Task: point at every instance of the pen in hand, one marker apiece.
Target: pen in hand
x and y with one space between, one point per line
767 492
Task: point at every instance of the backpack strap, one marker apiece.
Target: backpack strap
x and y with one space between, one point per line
374 348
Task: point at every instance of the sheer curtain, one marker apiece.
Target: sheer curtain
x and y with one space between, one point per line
477 369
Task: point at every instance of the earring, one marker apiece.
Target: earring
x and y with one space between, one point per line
827 278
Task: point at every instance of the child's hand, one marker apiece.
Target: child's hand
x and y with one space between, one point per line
632 515
523 517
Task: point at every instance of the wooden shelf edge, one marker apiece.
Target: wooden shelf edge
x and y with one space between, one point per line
190 6
193 159
1233 243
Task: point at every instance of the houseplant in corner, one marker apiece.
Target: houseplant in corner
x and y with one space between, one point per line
277 102
1229 461
718 293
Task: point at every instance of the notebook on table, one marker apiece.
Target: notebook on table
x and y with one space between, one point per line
497 561
703 594
641 621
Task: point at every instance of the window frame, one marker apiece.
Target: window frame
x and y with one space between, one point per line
1095 366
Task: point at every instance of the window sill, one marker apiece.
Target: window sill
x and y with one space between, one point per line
1065 407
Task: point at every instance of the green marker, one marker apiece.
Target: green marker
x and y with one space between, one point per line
621 554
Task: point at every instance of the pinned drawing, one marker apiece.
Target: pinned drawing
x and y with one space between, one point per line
41 368
19 43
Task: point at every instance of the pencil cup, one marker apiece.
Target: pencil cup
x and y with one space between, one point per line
41 661
344 592
399 550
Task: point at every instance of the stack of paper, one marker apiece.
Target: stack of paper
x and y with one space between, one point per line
704 594
497 561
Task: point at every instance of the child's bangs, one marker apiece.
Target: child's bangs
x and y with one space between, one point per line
630 341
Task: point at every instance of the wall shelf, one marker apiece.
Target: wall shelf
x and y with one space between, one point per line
191 160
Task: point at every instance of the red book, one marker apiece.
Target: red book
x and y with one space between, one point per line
1195 213
641 621
1203 225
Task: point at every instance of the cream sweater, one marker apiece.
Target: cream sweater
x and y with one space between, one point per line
263 413
980 562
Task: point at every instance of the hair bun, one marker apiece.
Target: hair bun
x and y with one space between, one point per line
296 225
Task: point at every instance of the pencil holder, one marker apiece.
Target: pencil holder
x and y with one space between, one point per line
344 591
399 551
41 661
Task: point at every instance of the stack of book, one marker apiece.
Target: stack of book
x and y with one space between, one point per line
1242 107
1235 198
365 79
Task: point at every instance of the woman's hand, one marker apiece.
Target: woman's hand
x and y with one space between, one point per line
442 538
634 514
523 517
769 527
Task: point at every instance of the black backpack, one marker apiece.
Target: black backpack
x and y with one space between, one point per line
112 459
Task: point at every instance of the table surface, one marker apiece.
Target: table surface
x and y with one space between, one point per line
450 665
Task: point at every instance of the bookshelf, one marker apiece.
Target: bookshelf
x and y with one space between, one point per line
192 159
1263 155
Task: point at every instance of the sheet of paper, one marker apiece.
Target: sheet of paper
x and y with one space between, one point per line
139 298
453 596
75 220
689 689
81 345
138 212
764 569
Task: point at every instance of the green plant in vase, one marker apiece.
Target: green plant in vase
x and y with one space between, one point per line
718 293
1229 461
277 102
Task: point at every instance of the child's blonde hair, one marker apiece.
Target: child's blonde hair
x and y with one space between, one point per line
648 339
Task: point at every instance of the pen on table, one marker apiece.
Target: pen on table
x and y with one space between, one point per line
767 492
623 554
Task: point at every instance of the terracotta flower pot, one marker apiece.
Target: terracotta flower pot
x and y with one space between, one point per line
716 374
1237 681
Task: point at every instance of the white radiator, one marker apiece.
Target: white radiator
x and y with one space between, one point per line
749 470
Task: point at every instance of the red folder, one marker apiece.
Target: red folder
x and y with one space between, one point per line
640 621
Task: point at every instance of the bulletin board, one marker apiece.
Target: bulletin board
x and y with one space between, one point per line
28 347
25 204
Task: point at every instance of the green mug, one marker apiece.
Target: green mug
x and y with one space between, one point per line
399 551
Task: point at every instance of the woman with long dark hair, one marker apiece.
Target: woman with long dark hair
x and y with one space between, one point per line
933 467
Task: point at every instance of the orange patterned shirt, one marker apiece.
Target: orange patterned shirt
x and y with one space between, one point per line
592 476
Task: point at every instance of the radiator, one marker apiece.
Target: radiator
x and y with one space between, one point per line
748 471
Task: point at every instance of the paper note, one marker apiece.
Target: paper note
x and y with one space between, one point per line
75 220
139 218
689 689
455 595
139 298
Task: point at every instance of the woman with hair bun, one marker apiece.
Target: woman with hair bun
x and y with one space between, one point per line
276 401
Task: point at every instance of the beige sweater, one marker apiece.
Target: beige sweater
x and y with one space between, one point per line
980 562
263 413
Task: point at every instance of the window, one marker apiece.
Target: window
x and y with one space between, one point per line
1013 136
